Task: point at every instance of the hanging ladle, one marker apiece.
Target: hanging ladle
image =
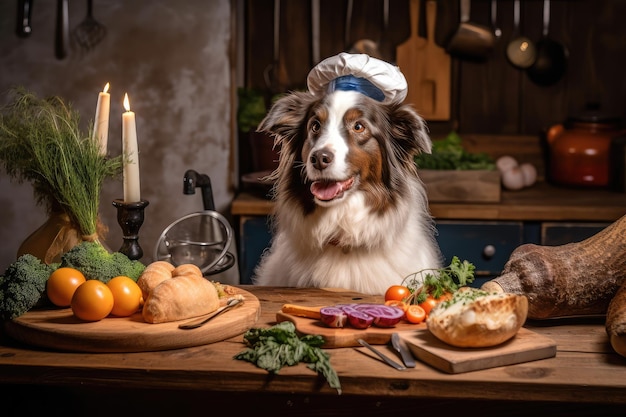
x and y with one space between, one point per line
521 51
551 62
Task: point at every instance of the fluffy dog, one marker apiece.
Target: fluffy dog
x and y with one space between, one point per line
351 211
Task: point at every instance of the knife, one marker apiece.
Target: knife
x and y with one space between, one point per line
385 358
404 352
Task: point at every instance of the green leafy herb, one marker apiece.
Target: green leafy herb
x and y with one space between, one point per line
449 153
437 282
40 142
279 345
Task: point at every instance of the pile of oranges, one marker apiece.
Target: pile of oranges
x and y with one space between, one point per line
93 300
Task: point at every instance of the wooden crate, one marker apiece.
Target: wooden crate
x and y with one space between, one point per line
449 186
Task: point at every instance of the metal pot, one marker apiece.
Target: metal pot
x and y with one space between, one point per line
579 150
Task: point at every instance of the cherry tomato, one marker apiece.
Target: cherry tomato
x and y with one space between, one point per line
397 303
61 285
92 301
397 292
415 314
428 304
127 296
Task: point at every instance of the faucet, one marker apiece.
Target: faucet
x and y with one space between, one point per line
192 180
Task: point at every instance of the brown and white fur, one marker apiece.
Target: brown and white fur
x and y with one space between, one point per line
351 211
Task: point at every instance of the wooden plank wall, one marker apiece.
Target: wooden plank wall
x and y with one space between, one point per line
490 97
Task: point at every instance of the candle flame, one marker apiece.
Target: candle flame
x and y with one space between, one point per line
126 102
106 88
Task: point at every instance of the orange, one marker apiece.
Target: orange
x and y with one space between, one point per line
92 301
61 285
127 296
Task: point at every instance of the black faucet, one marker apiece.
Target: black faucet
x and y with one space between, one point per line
192 180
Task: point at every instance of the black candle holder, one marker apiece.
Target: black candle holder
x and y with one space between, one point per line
130 218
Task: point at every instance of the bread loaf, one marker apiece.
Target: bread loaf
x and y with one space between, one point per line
616 321
475 318
180 297
153 275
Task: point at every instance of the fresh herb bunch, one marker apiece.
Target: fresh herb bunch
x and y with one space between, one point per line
41 142
438 282
279 345
448 153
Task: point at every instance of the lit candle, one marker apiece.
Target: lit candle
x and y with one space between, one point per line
131 155
101 122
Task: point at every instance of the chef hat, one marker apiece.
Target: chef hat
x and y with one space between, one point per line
377 79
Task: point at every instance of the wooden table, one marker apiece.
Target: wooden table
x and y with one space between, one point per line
586 377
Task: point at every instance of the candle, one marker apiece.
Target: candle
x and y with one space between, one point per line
101 121
131 155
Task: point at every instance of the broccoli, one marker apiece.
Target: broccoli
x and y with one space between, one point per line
96 262
23 286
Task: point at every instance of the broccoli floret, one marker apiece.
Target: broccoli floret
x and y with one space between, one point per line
96 262
23 286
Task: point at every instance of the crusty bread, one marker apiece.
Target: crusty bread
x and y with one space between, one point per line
476 318
153 275
616 321
187 269
180 297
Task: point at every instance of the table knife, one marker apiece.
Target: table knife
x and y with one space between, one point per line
407 356
384 357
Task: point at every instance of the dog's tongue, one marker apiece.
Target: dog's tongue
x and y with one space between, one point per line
326 190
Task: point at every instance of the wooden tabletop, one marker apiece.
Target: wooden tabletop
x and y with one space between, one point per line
542 202
584 373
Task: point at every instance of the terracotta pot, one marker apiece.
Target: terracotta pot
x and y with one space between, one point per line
579 150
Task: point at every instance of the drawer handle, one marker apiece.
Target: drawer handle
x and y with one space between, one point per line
489 251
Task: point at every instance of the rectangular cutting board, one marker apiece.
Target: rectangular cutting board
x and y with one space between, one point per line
526 346
346 336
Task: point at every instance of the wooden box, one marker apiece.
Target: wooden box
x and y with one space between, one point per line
451 186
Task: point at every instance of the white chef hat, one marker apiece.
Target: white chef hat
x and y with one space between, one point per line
373 77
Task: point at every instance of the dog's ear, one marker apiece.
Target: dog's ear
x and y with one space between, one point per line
286 116
410 130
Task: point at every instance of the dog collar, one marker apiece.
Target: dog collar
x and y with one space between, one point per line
358 84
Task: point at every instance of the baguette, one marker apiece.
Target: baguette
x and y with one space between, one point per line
616 321
180 297
475 318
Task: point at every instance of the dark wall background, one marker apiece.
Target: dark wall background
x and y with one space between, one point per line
490 97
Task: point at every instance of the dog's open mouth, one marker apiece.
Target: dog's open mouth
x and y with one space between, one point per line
328 190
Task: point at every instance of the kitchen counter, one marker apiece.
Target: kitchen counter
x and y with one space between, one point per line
585 377
542 202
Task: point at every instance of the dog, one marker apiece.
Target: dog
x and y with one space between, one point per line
350 209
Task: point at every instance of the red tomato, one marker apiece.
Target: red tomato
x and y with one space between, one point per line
397 292
428 304
397 303
414 314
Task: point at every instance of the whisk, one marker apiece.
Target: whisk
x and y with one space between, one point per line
89 32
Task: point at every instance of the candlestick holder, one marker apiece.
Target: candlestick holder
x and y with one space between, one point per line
130 218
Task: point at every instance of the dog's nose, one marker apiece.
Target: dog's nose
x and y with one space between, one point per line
322 158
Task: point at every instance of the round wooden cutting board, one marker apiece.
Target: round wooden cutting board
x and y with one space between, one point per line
58 329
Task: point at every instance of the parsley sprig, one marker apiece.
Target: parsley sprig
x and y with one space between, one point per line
439 281
279 345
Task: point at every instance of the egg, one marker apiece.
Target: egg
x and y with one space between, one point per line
513 178
530 174
504 163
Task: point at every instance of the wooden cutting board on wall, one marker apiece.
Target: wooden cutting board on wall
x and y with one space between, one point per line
426 66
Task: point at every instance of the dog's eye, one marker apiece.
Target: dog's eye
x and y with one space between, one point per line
315 126
358 127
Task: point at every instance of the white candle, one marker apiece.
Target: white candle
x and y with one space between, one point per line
101 121
131 155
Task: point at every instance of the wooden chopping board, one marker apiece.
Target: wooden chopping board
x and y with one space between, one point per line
426 67
346 336
59 330
524 347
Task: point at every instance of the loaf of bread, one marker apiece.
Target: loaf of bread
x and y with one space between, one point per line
616 321
180 297
153 275
476 318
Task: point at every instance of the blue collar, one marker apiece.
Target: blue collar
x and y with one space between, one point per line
360 85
